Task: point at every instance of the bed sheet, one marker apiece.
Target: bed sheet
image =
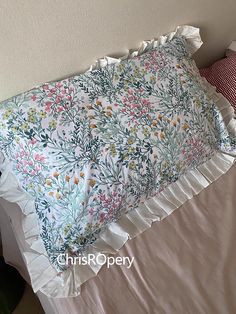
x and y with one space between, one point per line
190 270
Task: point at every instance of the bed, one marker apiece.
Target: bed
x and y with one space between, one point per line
191 268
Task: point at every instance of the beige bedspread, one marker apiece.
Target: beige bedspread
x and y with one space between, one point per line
184 264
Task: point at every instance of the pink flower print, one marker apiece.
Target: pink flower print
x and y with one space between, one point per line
33 141
45 87
102 197
48 106
33 97
60 109
58 99
102 217
37 168
39 158
59 85
91 211
69 97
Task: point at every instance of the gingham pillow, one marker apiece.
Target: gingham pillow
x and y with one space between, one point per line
222 74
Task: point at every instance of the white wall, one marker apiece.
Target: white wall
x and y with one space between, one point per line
43 40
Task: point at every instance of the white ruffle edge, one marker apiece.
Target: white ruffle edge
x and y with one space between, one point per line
43 276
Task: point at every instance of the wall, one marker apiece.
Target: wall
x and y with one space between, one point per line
49 39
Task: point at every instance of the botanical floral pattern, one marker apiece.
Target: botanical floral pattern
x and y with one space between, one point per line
94 146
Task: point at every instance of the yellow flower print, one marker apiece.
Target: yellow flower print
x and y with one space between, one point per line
93 126
9 111
32 111
31 119
133 130
109 107
89 107
25 126
30 185
165 163
48 182
14 129
136 72
174 123
98 103
131 150
81 174
53 124
178 119
58 196
42 114
198 102
162 135
154 123
130 141
51 193
185 126
6 116
132 165
67 228
146 132
126 156
76 180
88 227
67 178
152 78
108 113
121 67
159 117
92 182
113 150
56 174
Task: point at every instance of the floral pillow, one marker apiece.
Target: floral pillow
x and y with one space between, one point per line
95 146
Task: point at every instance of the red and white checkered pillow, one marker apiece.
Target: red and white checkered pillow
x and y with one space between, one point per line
222 74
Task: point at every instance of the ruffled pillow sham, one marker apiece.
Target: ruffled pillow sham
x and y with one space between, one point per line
101 155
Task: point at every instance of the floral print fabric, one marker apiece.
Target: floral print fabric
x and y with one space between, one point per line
94 146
